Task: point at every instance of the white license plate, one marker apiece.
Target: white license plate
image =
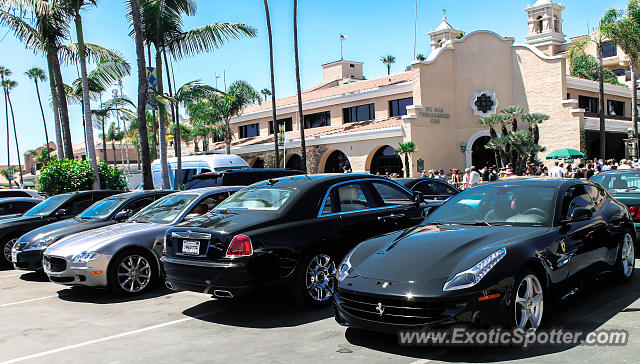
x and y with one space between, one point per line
14 257
191 247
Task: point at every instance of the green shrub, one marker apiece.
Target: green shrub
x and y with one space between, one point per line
586 66
69 175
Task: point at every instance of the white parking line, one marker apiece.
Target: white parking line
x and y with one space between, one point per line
12 275
117 336
25 301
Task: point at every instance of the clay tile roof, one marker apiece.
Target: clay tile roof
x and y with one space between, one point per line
316 94
316 132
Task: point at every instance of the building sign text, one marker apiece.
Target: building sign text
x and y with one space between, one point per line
434 114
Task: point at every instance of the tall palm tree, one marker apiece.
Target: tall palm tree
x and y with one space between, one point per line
625 32
274 121
405 149
599 39
266 93
303 148
4 74
8 85
491 121
533 119
512 113
163 28
388 60
38 75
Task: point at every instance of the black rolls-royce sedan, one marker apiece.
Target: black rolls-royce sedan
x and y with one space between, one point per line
16 206
496 254
29 248
55 208
288 231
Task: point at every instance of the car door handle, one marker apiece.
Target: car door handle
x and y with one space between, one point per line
563 261
392 216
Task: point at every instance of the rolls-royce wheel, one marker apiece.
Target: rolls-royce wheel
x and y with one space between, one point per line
132 272
625 263
314 279
7 245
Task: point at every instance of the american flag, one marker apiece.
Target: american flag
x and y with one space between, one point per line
343 37
217 75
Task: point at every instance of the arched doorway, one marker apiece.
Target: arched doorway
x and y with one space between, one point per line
258 163
481 156
336 162
294 162
386 160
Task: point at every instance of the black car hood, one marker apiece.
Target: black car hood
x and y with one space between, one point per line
231 221
427 253
12 222
61 229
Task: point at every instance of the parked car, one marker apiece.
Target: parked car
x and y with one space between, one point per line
288 231
624 186
125 256
239 177
496 254
196 164
431 189
20 193
55 208
29 248
16 206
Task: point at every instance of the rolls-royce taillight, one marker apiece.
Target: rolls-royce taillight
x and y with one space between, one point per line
240 246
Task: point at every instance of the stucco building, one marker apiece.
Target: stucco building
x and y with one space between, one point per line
354 121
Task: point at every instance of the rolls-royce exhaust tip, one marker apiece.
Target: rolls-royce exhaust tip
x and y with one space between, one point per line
222 294
169 285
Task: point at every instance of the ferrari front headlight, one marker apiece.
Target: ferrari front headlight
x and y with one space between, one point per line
345 267
473 275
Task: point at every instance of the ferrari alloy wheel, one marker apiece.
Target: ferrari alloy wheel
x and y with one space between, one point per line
529 302
320 275
625 263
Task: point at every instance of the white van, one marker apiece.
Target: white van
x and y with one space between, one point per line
196 164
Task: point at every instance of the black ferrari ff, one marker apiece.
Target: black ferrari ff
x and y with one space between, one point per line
288 231
496 254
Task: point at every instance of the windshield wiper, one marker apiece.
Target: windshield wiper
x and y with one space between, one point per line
473 223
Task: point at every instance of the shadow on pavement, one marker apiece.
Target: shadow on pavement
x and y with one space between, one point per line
262 311
105 296
34 277
587 311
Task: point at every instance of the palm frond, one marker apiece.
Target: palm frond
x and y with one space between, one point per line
69 54
25 33
207 38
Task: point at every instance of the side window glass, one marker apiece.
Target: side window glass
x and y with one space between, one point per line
441 189
208 203
137 205
353 198
576 197
598 196
5 209
205 170
329 206
79 205
424 188
392 195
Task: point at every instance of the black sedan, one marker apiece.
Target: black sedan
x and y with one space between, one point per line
285 232
16 206
55 208
114 209
624 186
432 189
492 255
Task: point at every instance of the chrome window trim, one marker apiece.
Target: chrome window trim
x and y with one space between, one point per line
383 180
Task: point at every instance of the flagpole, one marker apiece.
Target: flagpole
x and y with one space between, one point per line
341 55
415 30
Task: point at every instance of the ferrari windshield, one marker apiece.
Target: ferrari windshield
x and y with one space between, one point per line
619 182
499 205
267 199
48 206
165 210
103 208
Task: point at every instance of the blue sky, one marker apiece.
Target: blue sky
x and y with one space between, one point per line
373 27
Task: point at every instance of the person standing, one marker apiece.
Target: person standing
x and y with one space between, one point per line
474 177
493 176
556 170
466 179
485 174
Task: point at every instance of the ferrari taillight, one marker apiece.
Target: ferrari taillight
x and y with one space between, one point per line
240 246
635 212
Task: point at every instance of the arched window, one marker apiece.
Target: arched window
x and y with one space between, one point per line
538 25
556 24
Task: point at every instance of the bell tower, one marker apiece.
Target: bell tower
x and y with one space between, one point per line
443 34
545 26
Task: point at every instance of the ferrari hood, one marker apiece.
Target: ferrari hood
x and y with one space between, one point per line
426 253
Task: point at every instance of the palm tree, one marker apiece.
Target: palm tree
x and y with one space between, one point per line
8 173
4 74
303 147
533 119
511 114
274 121
406 149
388 60
421 57
162 26
37 74
491 121
8 85
114 134
143 140
625 32
265 92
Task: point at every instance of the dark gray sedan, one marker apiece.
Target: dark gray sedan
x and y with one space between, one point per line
30 246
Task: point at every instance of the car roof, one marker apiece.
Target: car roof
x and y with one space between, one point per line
139 193
539 181
19 199
211 189
619 171
411 181
307 181
245 170
89 192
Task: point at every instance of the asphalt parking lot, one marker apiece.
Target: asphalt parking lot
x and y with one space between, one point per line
47 323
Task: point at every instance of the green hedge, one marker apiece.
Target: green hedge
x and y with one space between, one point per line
69 175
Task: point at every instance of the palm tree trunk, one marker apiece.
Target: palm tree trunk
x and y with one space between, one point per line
15 135
104 142
44 120
6 112
56 108
113 149
164 167
603 131
388 69
64 110
174 118
407 172
227 134
274 120
86 102
634 101
144 154
155 106
303 144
